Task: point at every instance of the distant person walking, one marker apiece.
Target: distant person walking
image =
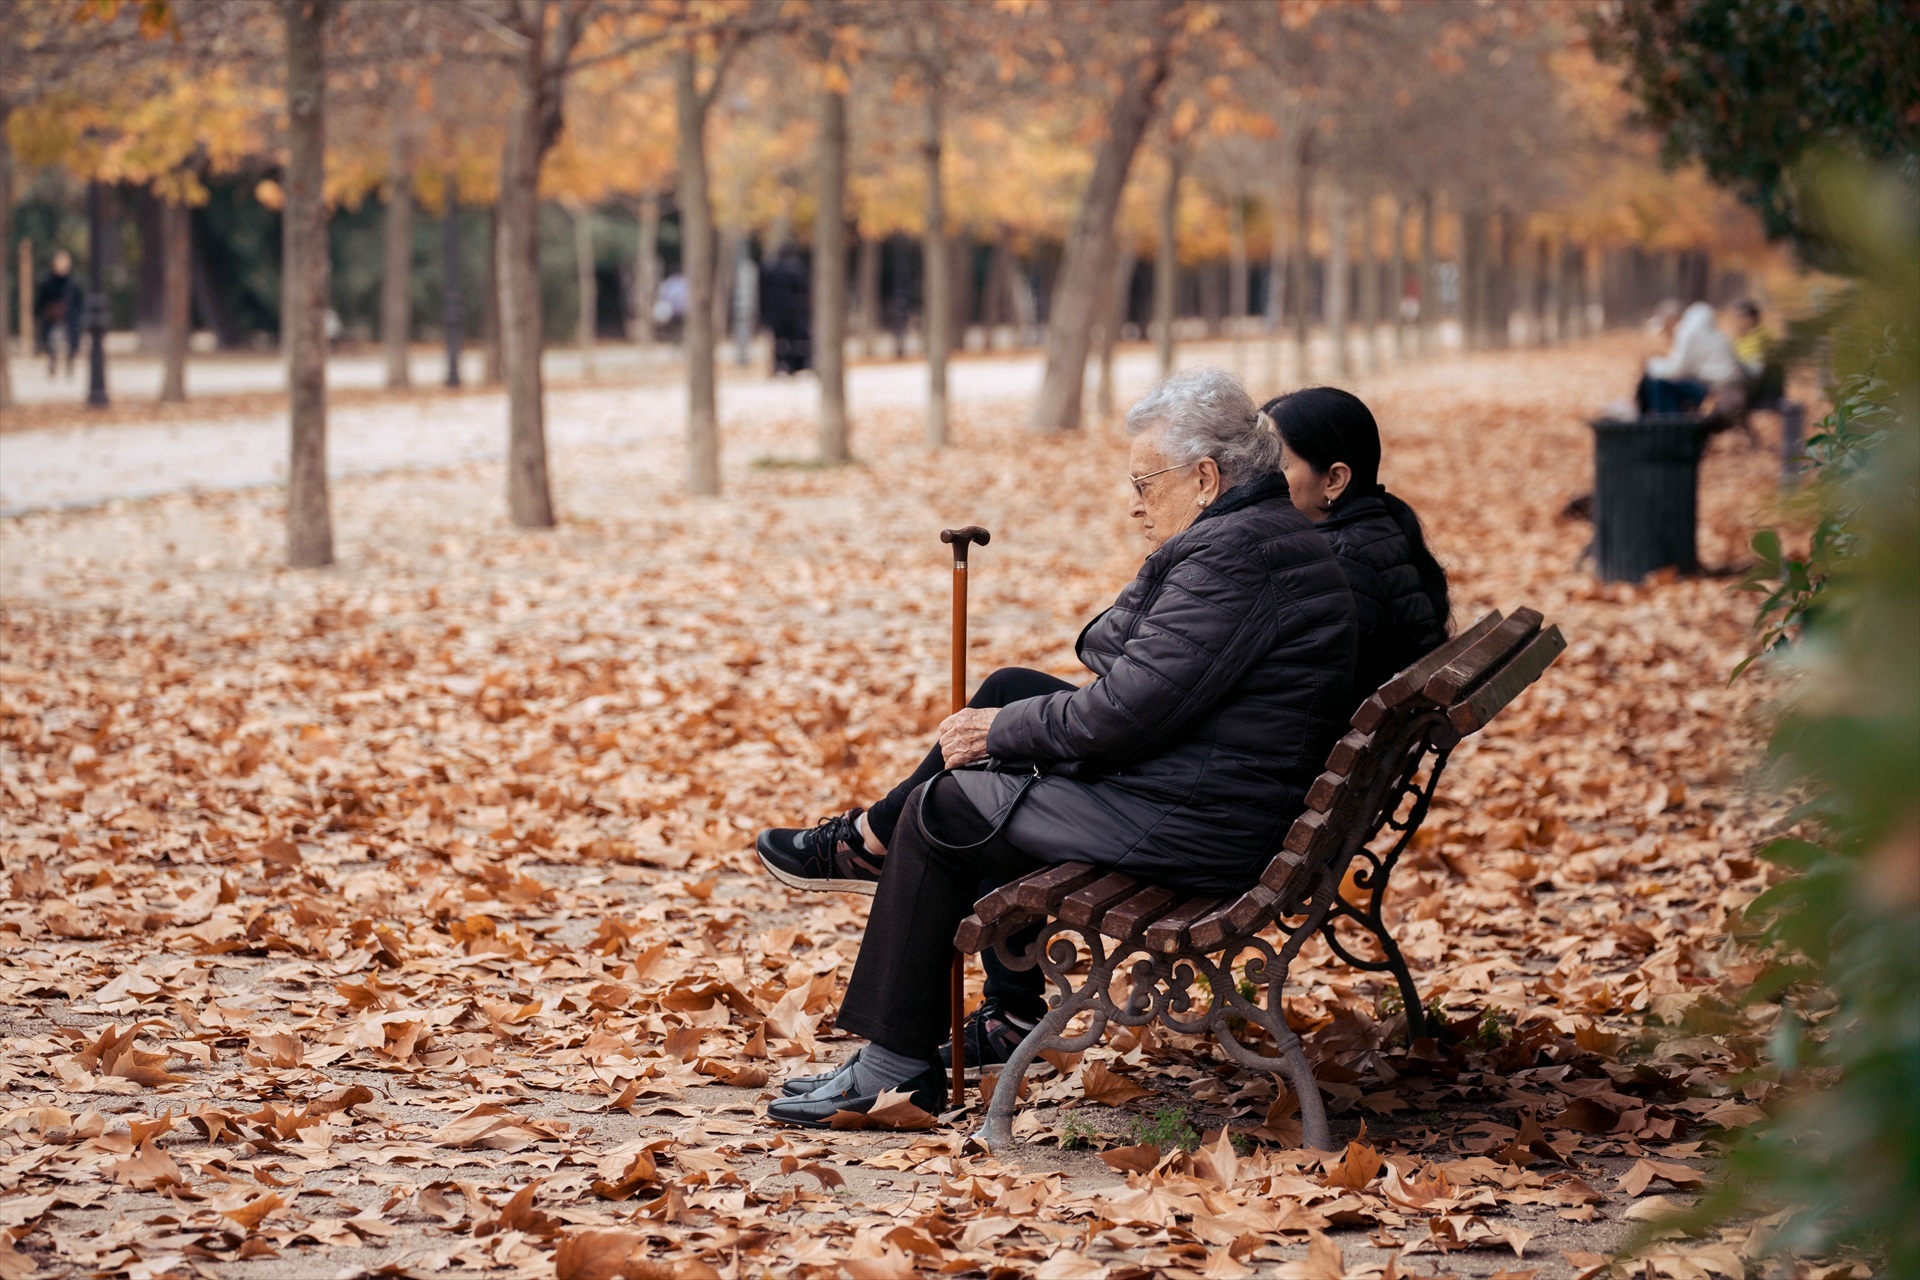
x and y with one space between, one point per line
670 307
58 308
1700 362
786 304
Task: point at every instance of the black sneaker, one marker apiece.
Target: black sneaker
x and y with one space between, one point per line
828 856
927 1091
991 1034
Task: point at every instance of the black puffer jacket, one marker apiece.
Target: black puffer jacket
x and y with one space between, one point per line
1225 674
1398 622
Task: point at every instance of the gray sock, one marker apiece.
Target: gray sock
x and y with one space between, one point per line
880 1068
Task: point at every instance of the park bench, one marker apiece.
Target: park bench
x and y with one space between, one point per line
1380 778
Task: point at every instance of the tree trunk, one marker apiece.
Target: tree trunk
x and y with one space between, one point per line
830 274
1502 294
1166 267
1273 308
1297 267
176 297
1114 325
309 524
586 285
726 248
1546 290
939 267
1024 303
1572 297
1337 280
696 262
960 249
493 367
866 290
1429 314
6 231
646 268
1369 283
1473 279
1396 290
995 299
746 298
396 283
529 496
1239 283
452 321
1085 270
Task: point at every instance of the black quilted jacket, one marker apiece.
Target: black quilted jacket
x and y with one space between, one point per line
1398 623
1225 675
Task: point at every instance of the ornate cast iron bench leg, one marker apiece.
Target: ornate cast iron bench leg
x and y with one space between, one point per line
996 1135
1371 872
1160 993
1266 970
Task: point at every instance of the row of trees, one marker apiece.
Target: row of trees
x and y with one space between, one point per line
1353 149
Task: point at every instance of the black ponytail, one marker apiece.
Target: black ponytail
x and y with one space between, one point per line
1325 425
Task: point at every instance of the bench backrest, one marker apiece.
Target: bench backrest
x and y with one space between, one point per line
1426 709
1423 711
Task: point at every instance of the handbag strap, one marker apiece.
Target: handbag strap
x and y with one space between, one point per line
1006 814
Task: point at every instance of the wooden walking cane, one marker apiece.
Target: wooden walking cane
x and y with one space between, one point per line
961 540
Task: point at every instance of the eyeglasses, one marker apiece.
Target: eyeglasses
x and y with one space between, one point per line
1140 482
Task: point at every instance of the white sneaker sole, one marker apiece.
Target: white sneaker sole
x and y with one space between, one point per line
793 881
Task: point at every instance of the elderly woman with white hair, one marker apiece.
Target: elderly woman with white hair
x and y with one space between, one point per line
1222 675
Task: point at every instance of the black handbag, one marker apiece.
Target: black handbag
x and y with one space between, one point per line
1006 815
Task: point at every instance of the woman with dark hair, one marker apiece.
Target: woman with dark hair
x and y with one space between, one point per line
1330 452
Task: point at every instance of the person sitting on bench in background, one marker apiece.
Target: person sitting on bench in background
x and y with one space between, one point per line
1752 340
1331 456
1223 675
1699 364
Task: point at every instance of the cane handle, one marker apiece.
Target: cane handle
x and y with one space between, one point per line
963 538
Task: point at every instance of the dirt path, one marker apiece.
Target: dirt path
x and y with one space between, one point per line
399 920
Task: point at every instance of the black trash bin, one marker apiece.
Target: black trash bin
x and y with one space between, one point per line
1646 481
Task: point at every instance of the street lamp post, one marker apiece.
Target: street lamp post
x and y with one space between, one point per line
96 311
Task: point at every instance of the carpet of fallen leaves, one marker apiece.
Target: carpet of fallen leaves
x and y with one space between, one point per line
402 920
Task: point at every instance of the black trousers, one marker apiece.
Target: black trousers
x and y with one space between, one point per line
1019 991
1669 395
898 995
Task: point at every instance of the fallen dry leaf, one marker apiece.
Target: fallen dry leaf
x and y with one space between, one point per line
1099 1084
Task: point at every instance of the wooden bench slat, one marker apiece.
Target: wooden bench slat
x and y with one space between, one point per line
1044 890
1130 915
1084 907
1412 682
1248 913
1506 684
1311 834
1372 714
975 935
1348 750
1281 869
998 903
1326 791
1486 653
1168 934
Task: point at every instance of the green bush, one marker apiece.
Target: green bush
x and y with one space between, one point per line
1841 930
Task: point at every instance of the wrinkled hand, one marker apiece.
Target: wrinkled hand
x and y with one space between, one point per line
963 735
